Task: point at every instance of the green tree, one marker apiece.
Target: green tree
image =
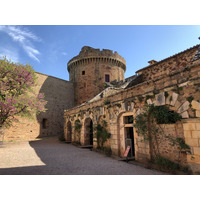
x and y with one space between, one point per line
17 97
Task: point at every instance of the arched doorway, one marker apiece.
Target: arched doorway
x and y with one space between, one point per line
88 134
69 132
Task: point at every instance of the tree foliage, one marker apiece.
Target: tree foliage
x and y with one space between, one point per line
147 121
163 115
101 134
17 97
148 125
77 129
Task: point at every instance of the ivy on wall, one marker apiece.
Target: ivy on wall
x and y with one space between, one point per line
148 125
101 134
77 129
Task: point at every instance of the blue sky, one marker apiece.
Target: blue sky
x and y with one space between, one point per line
49 48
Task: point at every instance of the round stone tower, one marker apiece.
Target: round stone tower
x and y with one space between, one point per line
91 69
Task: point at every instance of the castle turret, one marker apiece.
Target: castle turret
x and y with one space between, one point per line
91 69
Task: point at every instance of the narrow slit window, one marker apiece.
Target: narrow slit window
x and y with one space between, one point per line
107 78
44 123
83 72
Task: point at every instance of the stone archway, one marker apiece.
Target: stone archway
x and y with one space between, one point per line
69 132
88 132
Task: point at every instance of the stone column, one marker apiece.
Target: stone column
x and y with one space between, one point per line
114 139
192 138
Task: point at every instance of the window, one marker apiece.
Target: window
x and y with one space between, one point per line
83 72
44 123
107 78
128 119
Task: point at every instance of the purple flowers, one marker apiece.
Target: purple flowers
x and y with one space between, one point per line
17 97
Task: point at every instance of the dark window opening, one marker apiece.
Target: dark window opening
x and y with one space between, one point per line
44 123
91 133
107 78
83 72
128 119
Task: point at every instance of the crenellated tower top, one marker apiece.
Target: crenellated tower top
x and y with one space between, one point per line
91 69
89 54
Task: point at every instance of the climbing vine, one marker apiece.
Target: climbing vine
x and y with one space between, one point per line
106 102
163 115
146 122
77 128
140 98
190 99
101 134
177 89
148 125
148 97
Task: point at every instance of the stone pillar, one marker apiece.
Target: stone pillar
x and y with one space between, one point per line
73 132
192 138
82 133
65 128
114 139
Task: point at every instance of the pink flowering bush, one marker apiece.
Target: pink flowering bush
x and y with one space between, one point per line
17 97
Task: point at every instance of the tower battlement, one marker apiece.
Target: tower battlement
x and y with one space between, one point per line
91 69
89 54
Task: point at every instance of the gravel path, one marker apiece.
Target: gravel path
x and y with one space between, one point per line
49 156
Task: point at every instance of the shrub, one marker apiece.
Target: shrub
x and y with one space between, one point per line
165 163
163 115
101 134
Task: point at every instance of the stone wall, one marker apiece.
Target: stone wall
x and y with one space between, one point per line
192 137
166 148
183 96
168 65
92 82
59 96
87 71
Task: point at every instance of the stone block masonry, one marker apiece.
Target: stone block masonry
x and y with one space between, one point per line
173 82
192 137
59 95
168 65
91 69
176 85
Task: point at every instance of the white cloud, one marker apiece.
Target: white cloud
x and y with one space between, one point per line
19 38
64 53
23 32
32 52
9 54
24 37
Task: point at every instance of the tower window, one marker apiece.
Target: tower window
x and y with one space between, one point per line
107 78
83 72
44 123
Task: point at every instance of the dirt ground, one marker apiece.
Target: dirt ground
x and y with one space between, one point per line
51 157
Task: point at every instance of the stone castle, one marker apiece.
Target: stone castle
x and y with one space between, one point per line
98 91
91 69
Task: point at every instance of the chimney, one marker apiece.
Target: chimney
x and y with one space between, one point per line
151 62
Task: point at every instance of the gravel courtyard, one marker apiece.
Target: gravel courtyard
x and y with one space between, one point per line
51 157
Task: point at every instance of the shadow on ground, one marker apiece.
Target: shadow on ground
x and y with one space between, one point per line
53 156
56 158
